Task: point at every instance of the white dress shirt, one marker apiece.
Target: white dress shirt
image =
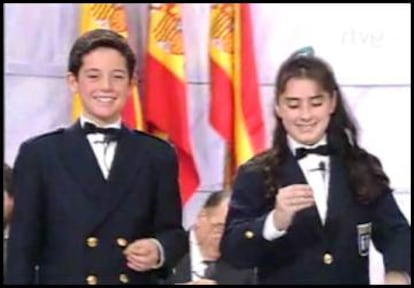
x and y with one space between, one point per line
104 151
317 179
198 267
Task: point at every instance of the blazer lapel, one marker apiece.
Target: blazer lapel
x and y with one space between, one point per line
80 160
128 159
338 195
182 271
293 174
80 163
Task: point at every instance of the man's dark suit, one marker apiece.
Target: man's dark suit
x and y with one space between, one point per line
310 253
74 224
223 273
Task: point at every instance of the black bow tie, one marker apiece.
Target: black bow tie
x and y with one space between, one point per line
111 134
321 150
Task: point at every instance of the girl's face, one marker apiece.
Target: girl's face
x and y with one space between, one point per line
305 110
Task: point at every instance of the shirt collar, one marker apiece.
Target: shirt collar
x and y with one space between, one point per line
196 256
6 232
116 124
293 144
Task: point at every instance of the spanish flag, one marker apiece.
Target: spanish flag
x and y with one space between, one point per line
113 17
235 111
166 103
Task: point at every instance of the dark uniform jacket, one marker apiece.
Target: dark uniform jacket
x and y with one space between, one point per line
74 224
312 253
224 274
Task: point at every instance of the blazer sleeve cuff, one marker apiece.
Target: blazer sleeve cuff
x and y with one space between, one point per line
162 254
270 232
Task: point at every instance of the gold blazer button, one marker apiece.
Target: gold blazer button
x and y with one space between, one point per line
92 280
92 242
122 242
327 258
123 278
249 234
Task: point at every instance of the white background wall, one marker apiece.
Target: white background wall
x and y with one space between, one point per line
368 45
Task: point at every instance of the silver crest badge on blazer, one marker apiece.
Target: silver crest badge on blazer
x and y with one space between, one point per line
364 237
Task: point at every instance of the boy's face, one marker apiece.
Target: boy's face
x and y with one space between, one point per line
103 84
305 110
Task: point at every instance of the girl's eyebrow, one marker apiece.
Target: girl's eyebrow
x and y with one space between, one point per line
293 98
316 97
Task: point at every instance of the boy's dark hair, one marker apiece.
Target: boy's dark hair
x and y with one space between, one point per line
100 38
7 179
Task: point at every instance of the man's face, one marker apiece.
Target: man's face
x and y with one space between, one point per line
103 84
7 207
305 110
211 226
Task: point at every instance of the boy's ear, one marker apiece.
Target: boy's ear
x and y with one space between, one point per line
72 82
134 79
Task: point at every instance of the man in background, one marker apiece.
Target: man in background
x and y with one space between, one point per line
7 208
202 263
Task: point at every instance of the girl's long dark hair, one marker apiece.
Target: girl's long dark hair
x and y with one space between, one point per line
367 178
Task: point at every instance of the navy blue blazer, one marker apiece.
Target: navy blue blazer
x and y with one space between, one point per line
73 224
224 274
312 253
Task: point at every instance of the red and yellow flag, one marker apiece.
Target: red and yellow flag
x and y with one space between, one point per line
166 103
235 111
113 17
